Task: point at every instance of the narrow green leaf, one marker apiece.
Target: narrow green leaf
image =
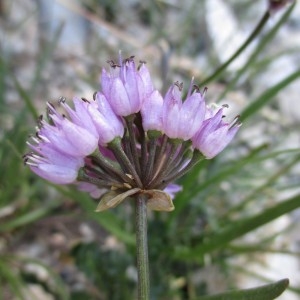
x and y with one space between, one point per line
12 280
258 50
269 181
248 41
27 218
237 229
268 95
265 292
191 187
45 56
25 96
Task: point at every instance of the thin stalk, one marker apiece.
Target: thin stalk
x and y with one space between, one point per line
124 161
142 247
254 33
197 156
132 139
258 50
150 159
159 156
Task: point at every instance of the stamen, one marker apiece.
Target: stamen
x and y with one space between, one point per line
50 108
85 100
94 95
32 164
196 88
225 105
204 91
141 62
39 121
235 122
179 85
61 100
127 60
113 64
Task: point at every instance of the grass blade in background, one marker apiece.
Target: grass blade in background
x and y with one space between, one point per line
238 228
268 95
257 51
266 292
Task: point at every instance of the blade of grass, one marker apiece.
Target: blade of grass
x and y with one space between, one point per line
248 41
27 218
257 51
191 188
263 278
268 95
265 292
12 280
45 57
262 187
238 228
25 96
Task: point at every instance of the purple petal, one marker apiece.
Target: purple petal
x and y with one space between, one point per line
146 78
119 100
152 112
172 189
55 174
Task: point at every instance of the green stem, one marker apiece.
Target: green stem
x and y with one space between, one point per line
254 33
142 247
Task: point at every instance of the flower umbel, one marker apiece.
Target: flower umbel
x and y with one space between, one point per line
128 139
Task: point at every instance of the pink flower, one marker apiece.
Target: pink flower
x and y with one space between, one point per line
125 87
181 120
109 147
152 112
52 165
214 135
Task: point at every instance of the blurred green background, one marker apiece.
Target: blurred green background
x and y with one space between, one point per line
236 222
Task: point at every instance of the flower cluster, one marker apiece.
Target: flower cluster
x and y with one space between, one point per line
128 139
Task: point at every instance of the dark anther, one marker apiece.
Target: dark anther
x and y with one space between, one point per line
179 85
49 111
51 105
61 100
85 100
64 116
236 121
25 160
94 95
204 91
225 105
37 135
39 121
141 62
24 156
129 59
112 63
196 88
